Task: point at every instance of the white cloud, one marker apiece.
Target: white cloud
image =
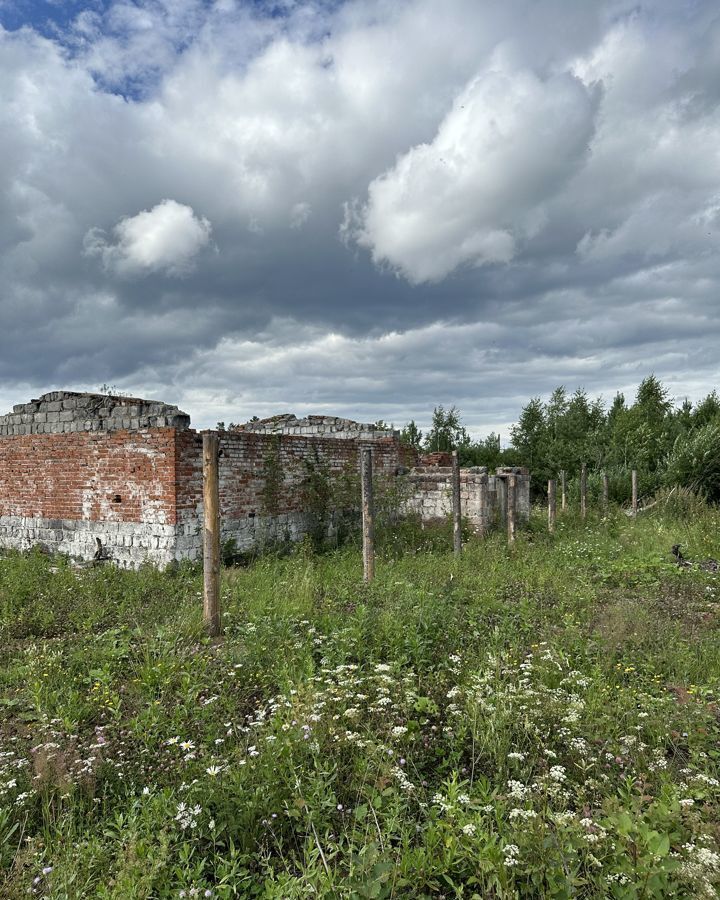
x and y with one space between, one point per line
166 238
510 141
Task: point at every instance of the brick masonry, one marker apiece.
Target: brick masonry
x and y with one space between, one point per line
251 514
78 468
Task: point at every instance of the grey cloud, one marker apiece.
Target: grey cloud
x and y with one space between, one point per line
595 221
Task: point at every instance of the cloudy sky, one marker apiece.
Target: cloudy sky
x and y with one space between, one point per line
365 207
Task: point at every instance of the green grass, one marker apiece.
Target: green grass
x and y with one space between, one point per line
534 722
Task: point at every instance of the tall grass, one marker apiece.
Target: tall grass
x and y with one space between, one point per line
540 721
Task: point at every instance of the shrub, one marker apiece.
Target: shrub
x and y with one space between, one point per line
695 462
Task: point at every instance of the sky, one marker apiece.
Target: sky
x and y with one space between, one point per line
363 208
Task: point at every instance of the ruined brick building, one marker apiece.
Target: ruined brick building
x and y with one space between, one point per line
77 468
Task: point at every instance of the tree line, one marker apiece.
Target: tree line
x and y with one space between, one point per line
667 444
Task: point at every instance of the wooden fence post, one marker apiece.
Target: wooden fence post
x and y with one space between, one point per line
368 514
583 491
551 506
606 491
634 492
211 535
563 493
457 511
511 493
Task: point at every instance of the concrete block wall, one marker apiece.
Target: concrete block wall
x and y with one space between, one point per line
483 497
64 412
317 426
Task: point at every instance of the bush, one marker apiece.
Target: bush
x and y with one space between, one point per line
695 462
679 502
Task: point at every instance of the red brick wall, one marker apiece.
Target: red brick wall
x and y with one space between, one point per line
440 458
157 476
80 475
242 467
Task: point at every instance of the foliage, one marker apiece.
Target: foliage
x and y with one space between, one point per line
695 461
446 431
317 494
666 445
412 435
534 723
273 478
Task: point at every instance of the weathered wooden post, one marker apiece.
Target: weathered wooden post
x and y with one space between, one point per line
606 491
368 514
634 493
457 511
511 493
551 506
211 535
563 493
583 491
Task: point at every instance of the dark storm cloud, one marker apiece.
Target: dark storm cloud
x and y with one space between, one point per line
366 207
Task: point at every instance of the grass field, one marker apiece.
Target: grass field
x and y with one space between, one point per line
541 722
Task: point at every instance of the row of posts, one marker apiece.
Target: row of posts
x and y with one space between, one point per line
211 527
552 488
211 523
368 529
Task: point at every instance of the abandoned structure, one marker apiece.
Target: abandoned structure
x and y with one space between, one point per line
79 471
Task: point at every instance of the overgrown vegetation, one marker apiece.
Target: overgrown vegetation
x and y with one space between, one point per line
541 722
668 445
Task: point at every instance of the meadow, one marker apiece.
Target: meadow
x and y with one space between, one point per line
534 721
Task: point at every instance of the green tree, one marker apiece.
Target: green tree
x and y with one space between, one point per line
530 435
649 427
707 411
695 461
485 452
411 435
446 431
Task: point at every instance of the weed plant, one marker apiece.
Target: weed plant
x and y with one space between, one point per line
540 721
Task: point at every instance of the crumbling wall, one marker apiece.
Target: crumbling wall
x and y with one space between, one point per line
317 426
64 492
76 469
522 491
483 497
64 412
266 490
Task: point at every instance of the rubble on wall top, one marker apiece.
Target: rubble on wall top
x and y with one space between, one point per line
59 412
109 398
327 426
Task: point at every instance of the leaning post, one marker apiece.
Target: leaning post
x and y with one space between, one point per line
583 491
211 535
511 493
457 511
563 493
634 492
368 514
551 505
606 491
